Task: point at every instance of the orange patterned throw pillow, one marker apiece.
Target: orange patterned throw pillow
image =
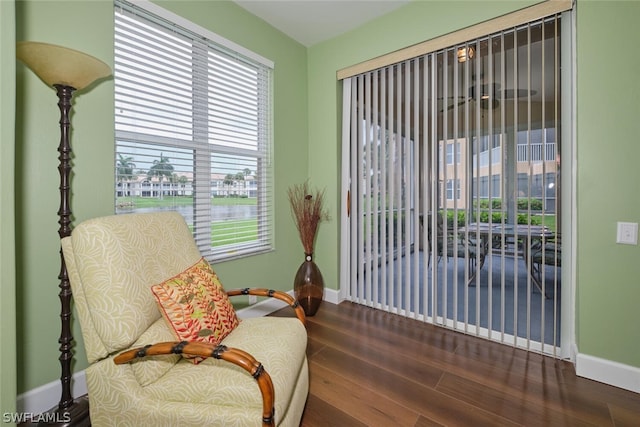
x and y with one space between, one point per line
195 305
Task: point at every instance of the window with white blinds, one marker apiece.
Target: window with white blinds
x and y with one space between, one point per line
193 130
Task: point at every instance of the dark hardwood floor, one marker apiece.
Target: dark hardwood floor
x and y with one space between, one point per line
370 368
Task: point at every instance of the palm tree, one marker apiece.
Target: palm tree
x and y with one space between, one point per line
247 172
124 170
160 169
229 180
239 178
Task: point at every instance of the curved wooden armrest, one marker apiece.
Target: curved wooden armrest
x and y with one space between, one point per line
233 355
283 296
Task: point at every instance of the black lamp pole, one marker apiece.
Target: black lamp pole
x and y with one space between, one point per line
69 411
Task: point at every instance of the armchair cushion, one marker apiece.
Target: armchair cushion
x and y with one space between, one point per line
110 278
195 305
212 393
264 338
149 370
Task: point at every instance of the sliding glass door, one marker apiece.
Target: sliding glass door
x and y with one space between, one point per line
453 187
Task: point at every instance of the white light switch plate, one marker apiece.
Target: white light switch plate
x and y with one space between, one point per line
627 233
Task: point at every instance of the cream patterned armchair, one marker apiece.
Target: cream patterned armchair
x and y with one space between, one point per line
257 375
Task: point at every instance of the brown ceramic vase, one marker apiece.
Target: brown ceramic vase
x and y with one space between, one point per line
308 286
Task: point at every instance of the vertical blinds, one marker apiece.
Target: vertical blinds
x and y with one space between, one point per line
193 131
453 176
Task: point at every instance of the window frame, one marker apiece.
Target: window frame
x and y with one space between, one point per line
205 46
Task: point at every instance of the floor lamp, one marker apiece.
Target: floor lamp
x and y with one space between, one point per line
66 70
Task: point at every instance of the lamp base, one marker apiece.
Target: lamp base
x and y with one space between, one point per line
76 415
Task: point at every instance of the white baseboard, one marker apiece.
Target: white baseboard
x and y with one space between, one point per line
270 305
262 308
332 296
42 399
606 371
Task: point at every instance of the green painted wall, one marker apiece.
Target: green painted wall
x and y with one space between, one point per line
608 279
7 210
88 26
608 284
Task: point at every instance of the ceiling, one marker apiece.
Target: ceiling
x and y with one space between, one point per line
314 21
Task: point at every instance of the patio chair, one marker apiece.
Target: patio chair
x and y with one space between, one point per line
457 246
543 253
164 344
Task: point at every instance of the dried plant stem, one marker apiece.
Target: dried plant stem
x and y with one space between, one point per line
307 208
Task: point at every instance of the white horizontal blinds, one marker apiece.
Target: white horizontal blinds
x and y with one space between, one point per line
456 183
153 81
206 183
188 97
239 129
155 164
233 103
237 181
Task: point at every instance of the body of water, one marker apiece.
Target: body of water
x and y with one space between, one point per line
219 213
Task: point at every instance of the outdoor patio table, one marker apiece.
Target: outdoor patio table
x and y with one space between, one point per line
529 234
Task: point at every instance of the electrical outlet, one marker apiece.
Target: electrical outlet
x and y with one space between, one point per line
253 299
627 233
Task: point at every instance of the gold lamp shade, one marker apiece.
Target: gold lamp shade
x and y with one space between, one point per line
57 65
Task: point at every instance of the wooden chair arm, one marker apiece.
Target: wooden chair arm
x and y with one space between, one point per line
233 355
283 296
